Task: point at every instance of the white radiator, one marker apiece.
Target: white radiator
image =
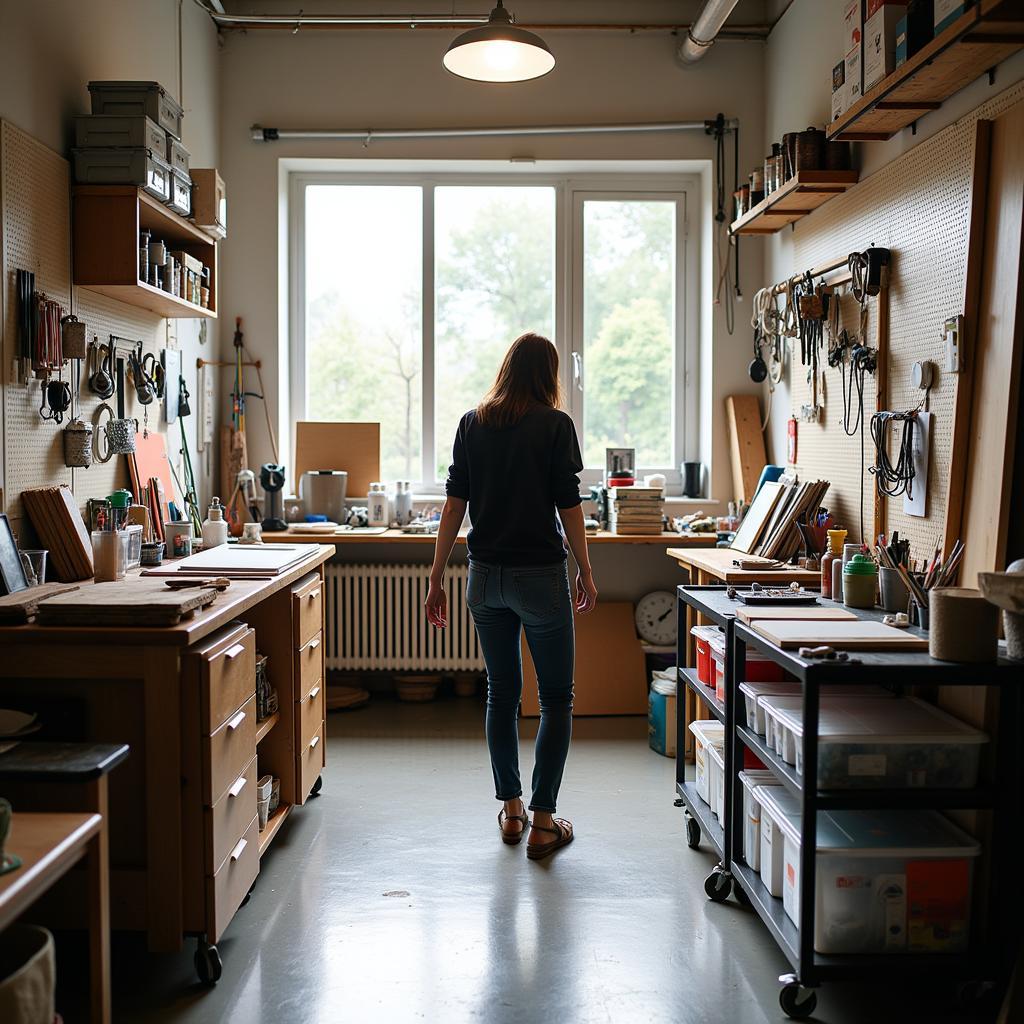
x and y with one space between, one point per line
375 620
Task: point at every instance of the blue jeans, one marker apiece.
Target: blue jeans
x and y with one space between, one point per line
505 600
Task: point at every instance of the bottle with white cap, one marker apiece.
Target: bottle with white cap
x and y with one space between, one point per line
215 527
377 505
403 503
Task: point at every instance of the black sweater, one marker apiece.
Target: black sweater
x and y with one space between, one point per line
514 479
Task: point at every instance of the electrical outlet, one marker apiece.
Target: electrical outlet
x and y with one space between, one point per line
953 336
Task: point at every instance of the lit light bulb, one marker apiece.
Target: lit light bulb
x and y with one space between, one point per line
501 55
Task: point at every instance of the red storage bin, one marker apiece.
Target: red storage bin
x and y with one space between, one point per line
703 636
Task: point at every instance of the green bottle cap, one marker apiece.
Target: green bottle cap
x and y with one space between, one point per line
120 499
860 565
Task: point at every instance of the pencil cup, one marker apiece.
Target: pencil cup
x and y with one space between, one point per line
109 555
895 595
964 626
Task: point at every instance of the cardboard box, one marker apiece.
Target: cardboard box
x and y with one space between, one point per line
874 6
854 77
839 76
902 49
880 43
947 11
853 25
839 103
661 723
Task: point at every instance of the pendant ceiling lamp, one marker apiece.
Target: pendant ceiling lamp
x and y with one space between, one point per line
499 52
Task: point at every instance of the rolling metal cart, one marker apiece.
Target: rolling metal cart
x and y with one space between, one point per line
992 943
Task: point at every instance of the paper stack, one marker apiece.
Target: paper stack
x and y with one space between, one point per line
635 510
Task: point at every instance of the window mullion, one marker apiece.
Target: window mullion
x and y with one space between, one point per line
429 454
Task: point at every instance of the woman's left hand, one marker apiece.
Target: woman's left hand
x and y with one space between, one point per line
436 605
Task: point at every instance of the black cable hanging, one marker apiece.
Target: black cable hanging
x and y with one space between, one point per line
718 129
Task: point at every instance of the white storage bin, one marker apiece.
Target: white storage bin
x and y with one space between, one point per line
716 781
751 779
886 881
776 803
752 691
867 743
705 734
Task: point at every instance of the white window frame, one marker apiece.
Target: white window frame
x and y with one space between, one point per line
570 193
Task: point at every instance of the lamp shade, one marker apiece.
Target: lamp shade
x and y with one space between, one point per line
499 52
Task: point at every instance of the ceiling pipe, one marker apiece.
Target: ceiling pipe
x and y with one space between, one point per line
701 35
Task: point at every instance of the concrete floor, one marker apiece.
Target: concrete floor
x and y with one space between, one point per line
391 899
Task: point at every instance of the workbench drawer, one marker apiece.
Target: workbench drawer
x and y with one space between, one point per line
310 717
309 666
311 764
228 887
307 610
229 817
227 676
228 751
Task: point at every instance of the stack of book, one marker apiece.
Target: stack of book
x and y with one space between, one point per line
636 510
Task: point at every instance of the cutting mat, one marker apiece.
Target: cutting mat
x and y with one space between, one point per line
796 614
238 560
130 603
353 447
858 635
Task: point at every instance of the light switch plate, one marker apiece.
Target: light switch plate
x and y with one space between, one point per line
953 336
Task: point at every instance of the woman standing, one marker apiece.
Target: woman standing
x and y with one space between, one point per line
516 462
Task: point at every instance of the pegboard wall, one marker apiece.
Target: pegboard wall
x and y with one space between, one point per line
36 226
919 207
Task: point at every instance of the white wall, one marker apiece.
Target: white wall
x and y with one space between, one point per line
51 49
395 79
802 49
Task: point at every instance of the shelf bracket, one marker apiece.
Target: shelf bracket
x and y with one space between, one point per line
992 75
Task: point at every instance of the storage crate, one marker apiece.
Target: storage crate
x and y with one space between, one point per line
753 692
149 98
140 167
868 743
776 803
886 881
716 781
119 131
702 637
705 733
180 199
752 814
177 155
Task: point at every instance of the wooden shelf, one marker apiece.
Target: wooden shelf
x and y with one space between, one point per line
798 197
268 723
274 823
107 221
977 41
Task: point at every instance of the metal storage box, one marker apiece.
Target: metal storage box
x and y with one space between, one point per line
119 131
149 98
180 199
177 155
124 167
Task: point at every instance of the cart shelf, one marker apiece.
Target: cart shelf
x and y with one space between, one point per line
702 814
689 676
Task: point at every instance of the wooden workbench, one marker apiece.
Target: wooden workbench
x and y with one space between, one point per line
184 842
715 565
701 540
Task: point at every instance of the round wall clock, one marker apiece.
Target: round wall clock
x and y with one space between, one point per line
656 618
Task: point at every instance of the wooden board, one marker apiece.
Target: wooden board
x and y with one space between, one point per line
804 614
237 561
746 444
353 447
610 675
860 635
136 602
754 522
20 607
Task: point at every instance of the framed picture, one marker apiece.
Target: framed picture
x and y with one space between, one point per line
12 575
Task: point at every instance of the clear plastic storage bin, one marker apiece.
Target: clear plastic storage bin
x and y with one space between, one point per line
705 734
751 779
752 692
886 881
864 742
716 781
776 803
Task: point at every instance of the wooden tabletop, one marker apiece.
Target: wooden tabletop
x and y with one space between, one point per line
48 845
717 562
238 598
704 540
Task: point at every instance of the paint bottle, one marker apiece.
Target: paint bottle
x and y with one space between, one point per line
403 503
215 527
860 582
835 550
377 505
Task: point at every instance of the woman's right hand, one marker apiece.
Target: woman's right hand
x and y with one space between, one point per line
436 605
586 591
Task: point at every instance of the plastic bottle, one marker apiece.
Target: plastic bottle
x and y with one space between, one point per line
403 503
860 582
377 505
835 550
215 527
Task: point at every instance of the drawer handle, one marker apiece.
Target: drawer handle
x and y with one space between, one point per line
314 692
233 652
313 742
314 644
313 594
239 849
237 786
236 721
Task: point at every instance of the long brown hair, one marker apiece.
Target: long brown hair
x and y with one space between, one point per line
528 377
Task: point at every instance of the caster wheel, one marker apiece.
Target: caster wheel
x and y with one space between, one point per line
741 894
248 895
317 786
797 1002
717 886
209 966
692 833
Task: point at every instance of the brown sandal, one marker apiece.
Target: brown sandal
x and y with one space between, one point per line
564 833
515 838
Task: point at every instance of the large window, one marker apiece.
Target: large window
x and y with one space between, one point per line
407 292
